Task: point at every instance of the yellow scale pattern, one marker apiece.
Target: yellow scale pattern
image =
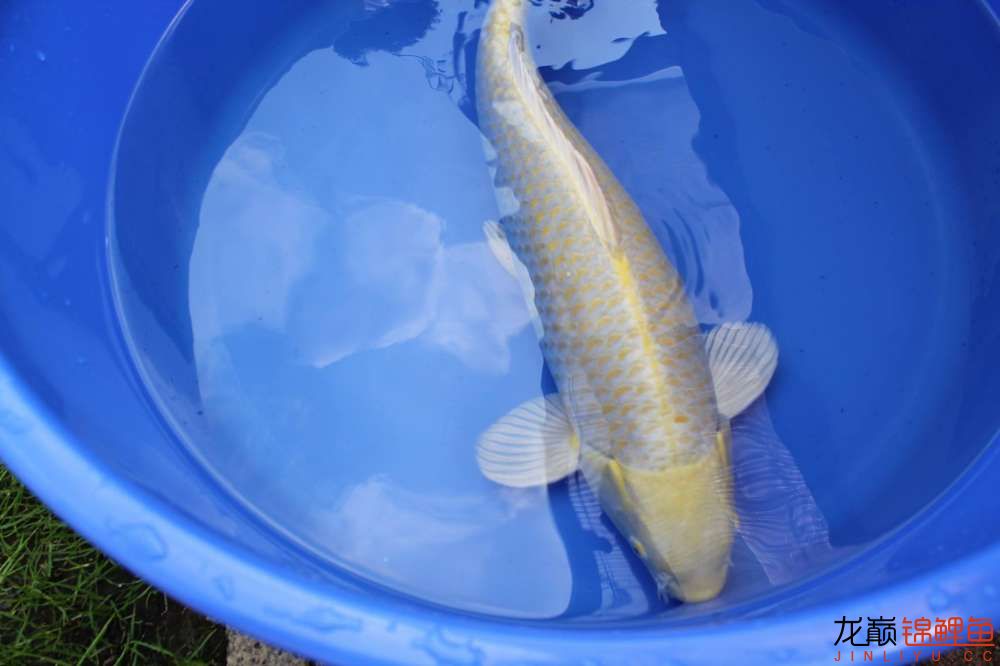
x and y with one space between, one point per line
619 333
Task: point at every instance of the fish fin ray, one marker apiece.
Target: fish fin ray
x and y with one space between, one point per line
777 515
742 358
533 445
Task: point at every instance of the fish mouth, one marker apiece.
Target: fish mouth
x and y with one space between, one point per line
667 586
699 587
704 586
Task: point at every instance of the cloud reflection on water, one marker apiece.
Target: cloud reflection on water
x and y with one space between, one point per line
375 275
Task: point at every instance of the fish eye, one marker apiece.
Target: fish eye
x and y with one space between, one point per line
637 547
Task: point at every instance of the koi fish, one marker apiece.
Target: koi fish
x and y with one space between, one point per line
644 397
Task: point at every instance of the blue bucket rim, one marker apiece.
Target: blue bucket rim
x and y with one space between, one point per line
325 622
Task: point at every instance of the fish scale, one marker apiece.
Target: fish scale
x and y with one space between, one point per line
618 331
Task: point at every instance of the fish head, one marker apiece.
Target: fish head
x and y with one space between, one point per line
679 519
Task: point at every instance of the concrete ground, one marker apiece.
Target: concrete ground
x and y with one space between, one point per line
246 651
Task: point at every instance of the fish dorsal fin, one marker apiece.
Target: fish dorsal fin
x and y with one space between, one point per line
547 123
533 445
742 358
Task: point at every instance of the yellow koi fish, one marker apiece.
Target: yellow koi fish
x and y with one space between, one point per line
644 397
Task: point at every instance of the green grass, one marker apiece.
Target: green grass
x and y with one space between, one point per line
62 602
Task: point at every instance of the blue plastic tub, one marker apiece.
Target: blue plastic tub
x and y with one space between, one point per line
220 361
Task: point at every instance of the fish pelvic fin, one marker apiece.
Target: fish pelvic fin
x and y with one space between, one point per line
496 240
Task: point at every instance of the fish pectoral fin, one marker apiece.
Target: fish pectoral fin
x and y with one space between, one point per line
742 358
497 240
534 444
